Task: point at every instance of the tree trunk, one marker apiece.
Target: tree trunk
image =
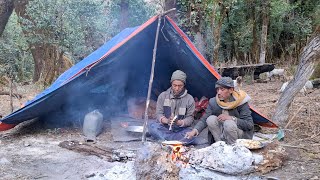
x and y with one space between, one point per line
199 39
6 7
45 56
124 14
199 42
46 61
264 31
254 47
308 58
169 4
216 27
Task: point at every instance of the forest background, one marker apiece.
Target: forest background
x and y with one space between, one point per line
41 39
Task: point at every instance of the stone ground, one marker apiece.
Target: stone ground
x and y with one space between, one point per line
30 151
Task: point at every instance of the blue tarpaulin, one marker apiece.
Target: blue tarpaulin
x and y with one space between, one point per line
120 69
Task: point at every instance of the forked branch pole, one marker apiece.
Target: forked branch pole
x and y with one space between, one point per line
145 124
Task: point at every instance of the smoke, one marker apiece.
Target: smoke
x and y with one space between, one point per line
98 90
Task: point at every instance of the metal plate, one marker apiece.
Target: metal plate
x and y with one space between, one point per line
136 129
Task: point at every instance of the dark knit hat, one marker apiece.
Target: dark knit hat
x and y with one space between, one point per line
225 82
179 75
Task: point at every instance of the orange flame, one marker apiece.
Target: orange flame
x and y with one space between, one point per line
178 157
176 153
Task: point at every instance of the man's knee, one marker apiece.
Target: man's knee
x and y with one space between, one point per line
212 121
152 125
230 125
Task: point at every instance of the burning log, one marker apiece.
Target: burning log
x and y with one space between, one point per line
176 152
274 157
108 154
152 162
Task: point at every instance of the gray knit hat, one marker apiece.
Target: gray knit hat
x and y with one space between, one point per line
179 75
225 82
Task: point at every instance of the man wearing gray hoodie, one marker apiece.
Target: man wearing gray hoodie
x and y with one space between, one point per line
174 111
228 116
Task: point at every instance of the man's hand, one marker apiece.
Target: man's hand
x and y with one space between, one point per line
192 133
223 117
165 120
179 122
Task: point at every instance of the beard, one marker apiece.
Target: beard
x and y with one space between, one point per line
176 92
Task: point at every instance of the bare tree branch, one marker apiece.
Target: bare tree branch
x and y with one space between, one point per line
6 8
308 58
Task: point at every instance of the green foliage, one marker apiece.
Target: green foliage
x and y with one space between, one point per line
315 15
290 23
138 12
289 27
280 9
235 30
15 60
77 26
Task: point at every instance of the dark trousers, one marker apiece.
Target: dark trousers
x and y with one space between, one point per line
161 132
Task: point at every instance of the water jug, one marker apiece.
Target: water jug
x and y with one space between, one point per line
92 125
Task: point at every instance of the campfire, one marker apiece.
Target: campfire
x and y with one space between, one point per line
173 160
176 152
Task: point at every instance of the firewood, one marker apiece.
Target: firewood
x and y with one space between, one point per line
16 95
108 154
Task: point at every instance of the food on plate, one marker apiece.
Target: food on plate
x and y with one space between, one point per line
250 144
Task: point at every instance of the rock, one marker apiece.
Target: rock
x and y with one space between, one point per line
26 144
314 178
192 173
122 171
229 159
4 161
90 175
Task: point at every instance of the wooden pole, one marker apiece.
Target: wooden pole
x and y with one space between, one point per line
11 94
145 124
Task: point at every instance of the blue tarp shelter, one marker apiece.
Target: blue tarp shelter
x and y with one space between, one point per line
121 68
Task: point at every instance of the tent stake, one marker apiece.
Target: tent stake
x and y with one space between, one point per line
150 82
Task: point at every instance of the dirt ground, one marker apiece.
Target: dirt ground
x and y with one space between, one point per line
30 151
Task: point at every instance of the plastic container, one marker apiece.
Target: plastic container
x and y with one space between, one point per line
92 125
